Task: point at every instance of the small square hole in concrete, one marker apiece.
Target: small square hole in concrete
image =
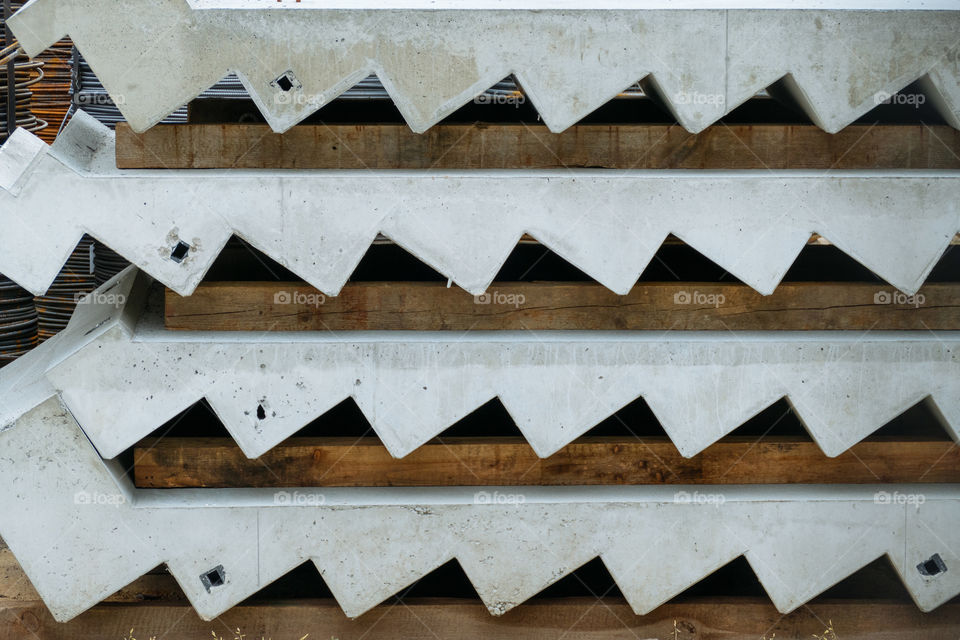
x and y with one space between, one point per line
213 578
286 82
932 567
180 251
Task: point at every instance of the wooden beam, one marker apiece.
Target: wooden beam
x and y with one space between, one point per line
519 146
607 618
272 306
498 461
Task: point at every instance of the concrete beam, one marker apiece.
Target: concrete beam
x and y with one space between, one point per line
123 375
319 224
839 59
81 531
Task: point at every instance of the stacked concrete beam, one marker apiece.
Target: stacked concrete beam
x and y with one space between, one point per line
81 532
838 59
319 224
123 375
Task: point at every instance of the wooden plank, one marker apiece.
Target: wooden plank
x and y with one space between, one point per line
498 461
606 618
571 619
273 306
519 146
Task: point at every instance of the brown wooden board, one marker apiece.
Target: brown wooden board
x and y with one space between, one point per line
605 618
504 461
519 146
273 306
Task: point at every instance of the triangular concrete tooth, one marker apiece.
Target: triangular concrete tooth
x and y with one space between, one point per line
205 541
507 570
552 406
671 550
376 567
425 390
467 240
566 88
309 241
426 92
705 400
312 87
796 559
846 402
263 409
759 253
890 242
611 242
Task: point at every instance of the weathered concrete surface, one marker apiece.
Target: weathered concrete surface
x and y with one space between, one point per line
81 531
123 375
319 224
701 60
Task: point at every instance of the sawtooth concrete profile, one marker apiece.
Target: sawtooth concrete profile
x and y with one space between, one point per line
835 60
81 531
122 375
320 223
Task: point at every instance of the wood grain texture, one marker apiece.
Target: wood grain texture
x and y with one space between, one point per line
571 619
499 461
272 306
154 607
519 146
605 618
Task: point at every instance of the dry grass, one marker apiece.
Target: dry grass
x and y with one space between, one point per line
237 635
